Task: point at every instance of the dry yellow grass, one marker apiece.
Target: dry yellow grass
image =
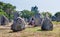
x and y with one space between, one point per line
31 32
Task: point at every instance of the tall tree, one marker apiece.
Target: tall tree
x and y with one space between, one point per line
35 9
57 14
8 8
2 5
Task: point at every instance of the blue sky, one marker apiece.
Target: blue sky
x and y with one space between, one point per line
52 6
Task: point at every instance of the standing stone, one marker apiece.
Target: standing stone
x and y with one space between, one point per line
36 16
16 14
4 20
46 24
18 24
53 18
32 22
58 18
37 19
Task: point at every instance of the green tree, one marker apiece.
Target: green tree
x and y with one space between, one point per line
7 8
26 13
2 5
44 14
57 14
3 13
35 10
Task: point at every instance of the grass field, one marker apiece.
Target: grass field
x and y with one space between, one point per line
31 32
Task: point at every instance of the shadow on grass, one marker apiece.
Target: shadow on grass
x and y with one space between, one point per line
43 30
13 31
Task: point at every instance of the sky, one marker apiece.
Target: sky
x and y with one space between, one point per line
51 6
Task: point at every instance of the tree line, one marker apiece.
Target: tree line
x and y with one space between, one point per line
8 9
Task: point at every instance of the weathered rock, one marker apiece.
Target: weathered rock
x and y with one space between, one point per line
58 18
37 19
4 20
16 14
46 24
53 18
18 24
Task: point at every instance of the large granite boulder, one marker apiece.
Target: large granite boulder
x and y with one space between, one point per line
4 20
18 24
46 24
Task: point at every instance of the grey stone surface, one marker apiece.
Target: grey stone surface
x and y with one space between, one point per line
16 14
58 18
4 20
47 24
37 19
18 24
53 18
